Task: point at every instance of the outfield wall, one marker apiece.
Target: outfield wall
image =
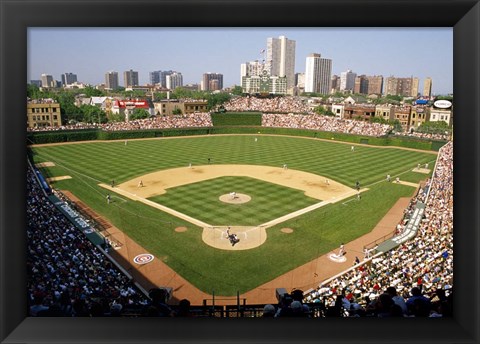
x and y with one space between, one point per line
89 135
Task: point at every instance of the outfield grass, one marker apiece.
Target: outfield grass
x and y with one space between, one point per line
227 272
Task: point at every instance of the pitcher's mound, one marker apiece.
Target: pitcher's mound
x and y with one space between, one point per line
236 198
181 229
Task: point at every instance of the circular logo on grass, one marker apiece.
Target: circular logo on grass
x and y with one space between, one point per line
143 258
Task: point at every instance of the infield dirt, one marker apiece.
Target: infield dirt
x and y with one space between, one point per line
157 183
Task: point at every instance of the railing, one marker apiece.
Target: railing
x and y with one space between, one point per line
375 243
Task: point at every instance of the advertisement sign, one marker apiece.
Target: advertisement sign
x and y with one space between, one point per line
442 104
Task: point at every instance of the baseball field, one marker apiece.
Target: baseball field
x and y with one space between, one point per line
289 199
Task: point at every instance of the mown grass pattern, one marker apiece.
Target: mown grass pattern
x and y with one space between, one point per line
201 201
227 272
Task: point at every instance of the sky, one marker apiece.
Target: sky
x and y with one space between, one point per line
91 52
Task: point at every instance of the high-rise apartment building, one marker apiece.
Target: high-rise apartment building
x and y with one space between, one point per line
318 74
253 68
47 80
174 80
335 84
111 80
37 83
206 81
280 59
130 78
68 79
160 77
415 87
361 84
406 87
300 80
427 87
375 84
347 80
368 84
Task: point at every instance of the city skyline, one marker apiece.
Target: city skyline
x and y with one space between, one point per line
92 52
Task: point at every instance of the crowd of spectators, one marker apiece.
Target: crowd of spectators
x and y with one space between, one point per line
67 275
76 126
194 120
429 136
418 270
277 104
324 123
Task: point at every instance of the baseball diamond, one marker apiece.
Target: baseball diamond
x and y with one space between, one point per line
315 198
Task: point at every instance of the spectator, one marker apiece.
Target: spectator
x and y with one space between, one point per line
65 270
183 309
268 311
157 307
418 304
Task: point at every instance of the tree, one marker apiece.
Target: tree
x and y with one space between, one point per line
117 117
397 126
93 114
157 96
389 99
177 111
439 127
217 99
323 111
378 120
34 92
449 98
139 114
90 91
68 109
183 93
133 94
237 91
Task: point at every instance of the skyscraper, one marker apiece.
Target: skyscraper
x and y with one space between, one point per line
130 78
68 79
361 84
347 80
174 80
427 87
280 59
47 80
318 74
335 84
160 77
375 84
406 87
300 81
111 80
415 87
206 83
253 68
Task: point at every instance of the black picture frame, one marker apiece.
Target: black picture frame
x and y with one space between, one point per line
17 16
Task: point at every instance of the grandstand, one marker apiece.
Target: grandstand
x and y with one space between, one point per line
80 278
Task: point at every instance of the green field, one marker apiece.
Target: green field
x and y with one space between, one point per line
201 201
227 272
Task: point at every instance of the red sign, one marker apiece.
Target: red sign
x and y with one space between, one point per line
142 104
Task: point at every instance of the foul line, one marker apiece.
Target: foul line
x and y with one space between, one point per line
157 205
